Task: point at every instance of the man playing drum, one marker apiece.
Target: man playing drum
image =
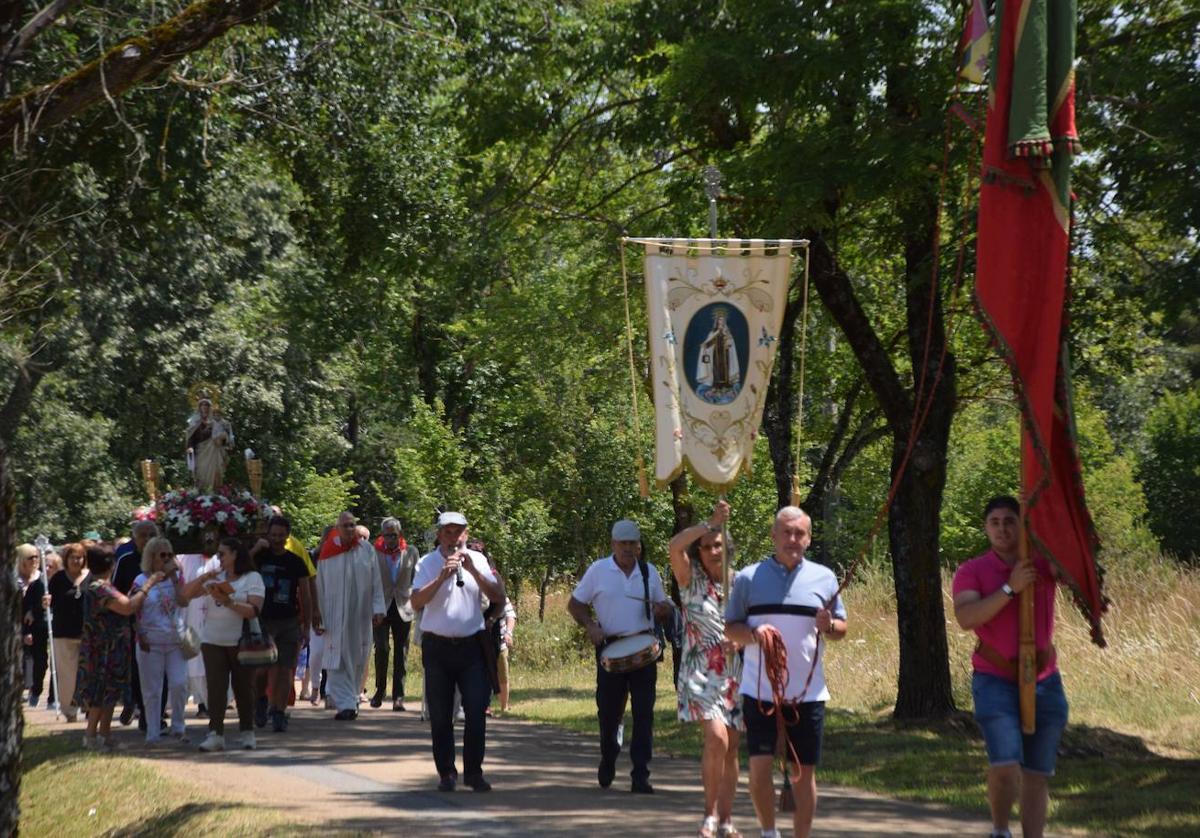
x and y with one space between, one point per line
627 596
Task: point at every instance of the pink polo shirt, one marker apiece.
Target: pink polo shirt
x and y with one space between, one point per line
985 575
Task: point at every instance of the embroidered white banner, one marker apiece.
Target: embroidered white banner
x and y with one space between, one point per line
715 309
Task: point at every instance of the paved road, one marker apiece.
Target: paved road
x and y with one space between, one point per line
376 775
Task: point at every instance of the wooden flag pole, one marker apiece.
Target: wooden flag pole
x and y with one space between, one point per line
1027 648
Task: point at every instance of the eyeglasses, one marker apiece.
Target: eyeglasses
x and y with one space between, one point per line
391 535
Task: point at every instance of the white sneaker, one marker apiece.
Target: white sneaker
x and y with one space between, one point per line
213 742
248 741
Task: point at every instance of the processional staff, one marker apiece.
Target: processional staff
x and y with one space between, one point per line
43 547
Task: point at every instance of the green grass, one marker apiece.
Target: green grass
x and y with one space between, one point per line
68 791
1129 764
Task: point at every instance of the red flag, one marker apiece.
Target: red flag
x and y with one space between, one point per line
1021 277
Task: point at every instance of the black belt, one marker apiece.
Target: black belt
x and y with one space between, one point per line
453 641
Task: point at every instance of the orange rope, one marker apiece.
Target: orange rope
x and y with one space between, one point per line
773 661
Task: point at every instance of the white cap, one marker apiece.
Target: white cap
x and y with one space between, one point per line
626 530
451 518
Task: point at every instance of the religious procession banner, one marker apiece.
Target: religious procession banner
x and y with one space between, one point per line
715 308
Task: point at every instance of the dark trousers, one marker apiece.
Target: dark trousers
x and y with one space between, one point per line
612 691
221 668
39 662
450 663
397 630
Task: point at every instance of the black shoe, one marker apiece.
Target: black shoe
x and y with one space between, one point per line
447 783
201 711
377 700
261 710
279 721
397 706
477 783
605 774
126 716
641 787
141 724
346 715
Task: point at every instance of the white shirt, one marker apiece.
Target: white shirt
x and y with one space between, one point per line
617 598
453 611
223 627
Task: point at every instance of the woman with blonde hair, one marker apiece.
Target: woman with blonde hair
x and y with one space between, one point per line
709 672
158 650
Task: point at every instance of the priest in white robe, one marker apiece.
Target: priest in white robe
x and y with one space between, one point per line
350 591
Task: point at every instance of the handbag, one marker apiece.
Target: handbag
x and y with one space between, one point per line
189 641
256 648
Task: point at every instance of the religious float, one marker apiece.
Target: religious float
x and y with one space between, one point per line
196 517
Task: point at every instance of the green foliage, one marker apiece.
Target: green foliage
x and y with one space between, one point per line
390 235
314 501
1171 471
984 460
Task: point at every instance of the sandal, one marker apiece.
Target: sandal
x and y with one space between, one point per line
708 828
728 830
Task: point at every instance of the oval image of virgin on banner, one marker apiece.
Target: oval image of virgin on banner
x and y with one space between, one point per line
715 352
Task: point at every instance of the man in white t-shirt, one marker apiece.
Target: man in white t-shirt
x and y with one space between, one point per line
446 589
799 598
627 597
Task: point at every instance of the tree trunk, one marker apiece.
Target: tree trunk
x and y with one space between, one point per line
923 690
779 414
914 520
542 596
129 63
12 720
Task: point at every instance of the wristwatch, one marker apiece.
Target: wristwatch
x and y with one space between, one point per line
1008 591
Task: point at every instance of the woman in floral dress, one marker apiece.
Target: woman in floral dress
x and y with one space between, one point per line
710 669
104 646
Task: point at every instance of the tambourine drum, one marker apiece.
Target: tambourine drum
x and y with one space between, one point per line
630 653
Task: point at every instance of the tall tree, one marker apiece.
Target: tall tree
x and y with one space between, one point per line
38 62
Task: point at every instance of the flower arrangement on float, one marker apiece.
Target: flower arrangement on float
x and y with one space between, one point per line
187 513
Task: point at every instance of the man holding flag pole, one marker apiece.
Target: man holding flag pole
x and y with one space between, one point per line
1021 292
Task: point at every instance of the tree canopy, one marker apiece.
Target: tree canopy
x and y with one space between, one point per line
390 232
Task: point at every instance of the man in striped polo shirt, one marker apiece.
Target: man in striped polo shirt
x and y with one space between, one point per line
799 598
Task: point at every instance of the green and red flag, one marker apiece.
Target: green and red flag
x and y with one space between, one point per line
1021 277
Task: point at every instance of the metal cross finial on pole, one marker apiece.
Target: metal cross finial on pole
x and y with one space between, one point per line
43 547
712 188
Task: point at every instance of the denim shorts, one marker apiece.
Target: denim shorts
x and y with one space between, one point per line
998 713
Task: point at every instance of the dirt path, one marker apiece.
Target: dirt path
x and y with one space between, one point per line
376 775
